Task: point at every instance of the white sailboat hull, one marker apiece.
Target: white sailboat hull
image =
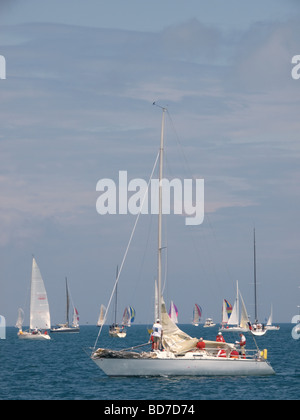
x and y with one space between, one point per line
259 333
234 329
117 334
65 330
184 367
24 335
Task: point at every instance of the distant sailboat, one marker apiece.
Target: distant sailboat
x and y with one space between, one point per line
236 322
39 309
197 313
257 328
226 312
173 313
67 328
115 330
101 318
270 326
20 320
128 316
2 328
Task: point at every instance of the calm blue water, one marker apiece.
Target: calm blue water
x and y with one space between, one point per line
60 369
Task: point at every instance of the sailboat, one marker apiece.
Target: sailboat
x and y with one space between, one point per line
226 312
128 316
2 327
180 356
67 328
235 323
115 330
39 309
173 312
270 326
197 313
101 318
257 328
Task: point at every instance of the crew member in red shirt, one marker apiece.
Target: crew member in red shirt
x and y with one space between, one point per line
201 344
220 338
242 345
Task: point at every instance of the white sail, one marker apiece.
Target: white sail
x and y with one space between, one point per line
235 315
197 312
224 313
39 306
173 313
75 322
270 320
156 311
126 320
101 318
20 320
244 323
234 318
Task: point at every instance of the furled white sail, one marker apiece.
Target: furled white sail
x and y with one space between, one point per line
39 307
174 339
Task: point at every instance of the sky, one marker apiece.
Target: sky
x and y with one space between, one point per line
76 107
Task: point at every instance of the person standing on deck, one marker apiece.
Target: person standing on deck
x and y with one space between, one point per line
243 344
157 335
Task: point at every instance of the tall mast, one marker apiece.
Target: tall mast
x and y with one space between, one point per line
238 303
68 301
159 286
255 283
116 295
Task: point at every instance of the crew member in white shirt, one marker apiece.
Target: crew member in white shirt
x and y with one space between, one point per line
157 334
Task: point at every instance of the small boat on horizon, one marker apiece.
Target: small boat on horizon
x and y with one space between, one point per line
209 323
115 330
67 328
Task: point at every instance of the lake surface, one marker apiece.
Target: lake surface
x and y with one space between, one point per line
61 369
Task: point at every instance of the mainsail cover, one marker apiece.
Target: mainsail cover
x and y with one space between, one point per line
174 339
39 307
